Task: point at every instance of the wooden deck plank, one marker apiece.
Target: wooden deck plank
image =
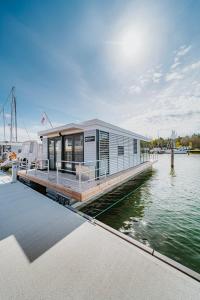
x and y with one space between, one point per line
98 188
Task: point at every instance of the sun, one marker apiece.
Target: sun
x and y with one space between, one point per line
132 45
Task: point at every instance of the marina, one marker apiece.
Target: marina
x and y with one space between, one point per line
83 161
99 150
44 244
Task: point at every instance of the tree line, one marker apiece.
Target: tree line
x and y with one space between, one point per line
192 141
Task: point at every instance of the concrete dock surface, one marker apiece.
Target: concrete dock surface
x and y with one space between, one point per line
50 252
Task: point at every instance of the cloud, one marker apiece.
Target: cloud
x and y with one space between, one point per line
192 66
179 74
179 68
173 76
135 89
174 104
183 50
176 64
151 76
170 95
156 77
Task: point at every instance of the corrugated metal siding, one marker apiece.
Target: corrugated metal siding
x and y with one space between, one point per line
129 159
104 153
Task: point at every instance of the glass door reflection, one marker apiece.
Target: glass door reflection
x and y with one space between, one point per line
68 152
51 155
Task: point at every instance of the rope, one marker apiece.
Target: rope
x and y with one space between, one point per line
126 196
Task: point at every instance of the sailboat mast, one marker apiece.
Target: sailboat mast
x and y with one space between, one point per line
4 125
13 117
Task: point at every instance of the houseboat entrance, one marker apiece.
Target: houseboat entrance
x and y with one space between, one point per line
54 152
68 148
73 150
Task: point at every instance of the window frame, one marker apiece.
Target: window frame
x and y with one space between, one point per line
120 150
135 146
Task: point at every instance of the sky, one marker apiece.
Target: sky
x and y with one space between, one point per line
135 64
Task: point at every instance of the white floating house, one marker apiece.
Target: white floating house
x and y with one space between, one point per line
84 160
110 149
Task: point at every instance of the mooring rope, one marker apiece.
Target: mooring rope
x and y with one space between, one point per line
126 196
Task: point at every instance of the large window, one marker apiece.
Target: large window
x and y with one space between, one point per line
120 150
135 146
73 150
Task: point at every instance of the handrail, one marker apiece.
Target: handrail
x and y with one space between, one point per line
97 169
81 174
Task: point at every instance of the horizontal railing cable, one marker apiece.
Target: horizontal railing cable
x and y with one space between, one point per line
123 198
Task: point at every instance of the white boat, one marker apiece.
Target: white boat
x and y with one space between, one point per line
177 151
31 151
7 147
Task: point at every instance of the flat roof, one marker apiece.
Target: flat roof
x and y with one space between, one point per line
50 252
88 124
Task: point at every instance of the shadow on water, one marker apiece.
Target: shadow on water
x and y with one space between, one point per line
114 200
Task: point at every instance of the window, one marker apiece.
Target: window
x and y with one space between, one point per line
120 150
134 146
31 147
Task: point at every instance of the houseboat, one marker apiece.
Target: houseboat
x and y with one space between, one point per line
114 148
89 158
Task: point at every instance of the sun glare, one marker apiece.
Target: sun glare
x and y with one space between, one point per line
131 45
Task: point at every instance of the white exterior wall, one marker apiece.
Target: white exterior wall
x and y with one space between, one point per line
116 163
138 154
90 147
129 159
117 137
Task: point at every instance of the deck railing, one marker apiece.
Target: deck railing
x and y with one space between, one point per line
84 172
81 175
40 165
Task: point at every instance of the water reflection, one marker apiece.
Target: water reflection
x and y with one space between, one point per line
123 201
162 211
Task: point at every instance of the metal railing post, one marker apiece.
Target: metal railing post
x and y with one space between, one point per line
57 174
26 166
79 177
48 168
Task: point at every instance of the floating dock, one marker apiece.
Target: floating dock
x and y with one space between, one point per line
71 189
48 251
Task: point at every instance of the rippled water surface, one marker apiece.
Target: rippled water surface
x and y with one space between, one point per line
164 212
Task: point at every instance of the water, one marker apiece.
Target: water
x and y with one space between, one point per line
164 211
4 178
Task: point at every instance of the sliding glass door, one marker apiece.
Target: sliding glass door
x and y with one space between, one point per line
78 147
54 152
68 152
58 152
51 154
73 150
68 148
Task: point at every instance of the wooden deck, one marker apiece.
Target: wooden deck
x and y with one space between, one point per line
89 190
